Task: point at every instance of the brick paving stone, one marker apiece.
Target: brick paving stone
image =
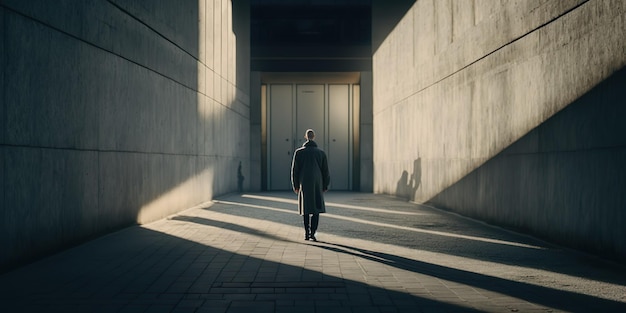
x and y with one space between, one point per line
292 309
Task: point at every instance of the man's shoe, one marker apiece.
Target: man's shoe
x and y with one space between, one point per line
313 238
306 237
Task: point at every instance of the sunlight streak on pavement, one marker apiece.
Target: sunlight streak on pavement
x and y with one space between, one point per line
358 220
375 252
331 204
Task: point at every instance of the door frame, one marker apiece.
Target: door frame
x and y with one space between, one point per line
352 79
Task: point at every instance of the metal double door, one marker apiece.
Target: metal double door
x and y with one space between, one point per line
294 108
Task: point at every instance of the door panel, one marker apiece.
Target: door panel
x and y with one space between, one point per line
310 113
294 108
280 136
339 136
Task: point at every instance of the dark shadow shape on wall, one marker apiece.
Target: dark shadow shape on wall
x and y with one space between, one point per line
564 181
385 16
133 142
407 186
240 178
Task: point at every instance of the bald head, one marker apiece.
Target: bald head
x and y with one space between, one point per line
309 134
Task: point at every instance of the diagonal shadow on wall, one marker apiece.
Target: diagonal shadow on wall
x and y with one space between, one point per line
563 181
128 121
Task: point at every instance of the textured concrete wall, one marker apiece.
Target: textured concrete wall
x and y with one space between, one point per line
114 113
457 82
564 180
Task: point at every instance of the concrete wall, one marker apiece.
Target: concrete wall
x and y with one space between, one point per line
115 113
563 180
457 82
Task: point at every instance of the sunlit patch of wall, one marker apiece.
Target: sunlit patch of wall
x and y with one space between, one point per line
116 112
457 82
461 80
199 187
563 180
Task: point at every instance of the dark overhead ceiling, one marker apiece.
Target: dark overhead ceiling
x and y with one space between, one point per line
310 35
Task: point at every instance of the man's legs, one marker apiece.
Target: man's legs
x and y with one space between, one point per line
307 228
315 220
310 222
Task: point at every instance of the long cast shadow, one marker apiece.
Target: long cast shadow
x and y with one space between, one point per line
225 225
144 270
545 257
553 298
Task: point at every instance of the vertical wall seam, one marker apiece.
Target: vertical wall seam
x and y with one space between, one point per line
451 21
4 110
473 12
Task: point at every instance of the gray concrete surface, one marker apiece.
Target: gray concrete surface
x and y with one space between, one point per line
246 253
115 113
569 171
458 82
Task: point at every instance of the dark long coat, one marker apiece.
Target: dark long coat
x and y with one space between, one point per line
309 174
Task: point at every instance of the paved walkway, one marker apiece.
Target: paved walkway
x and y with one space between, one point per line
246 253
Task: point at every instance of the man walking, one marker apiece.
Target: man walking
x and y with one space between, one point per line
310 179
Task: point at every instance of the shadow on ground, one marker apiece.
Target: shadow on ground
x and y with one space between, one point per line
139 270
392 221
